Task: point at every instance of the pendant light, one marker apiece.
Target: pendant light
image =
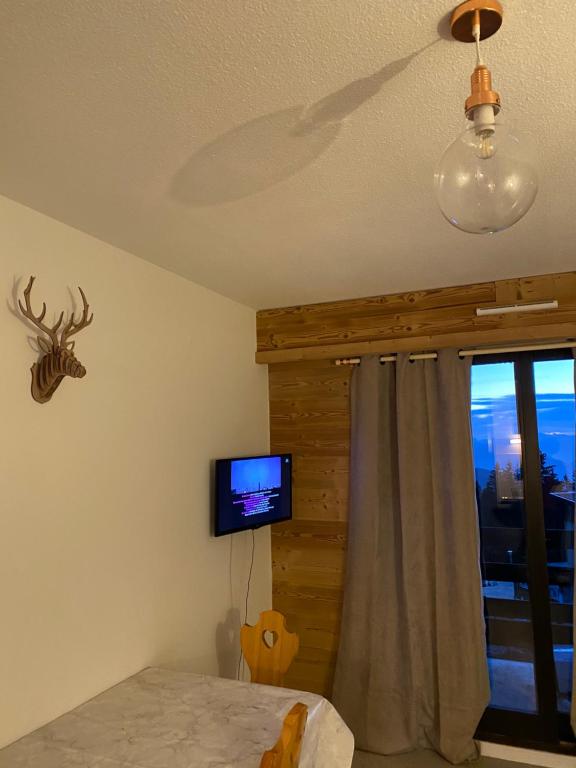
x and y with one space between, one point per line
486 180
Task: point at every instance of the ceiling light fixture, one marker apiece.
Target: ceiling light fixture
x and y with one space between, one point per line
486 180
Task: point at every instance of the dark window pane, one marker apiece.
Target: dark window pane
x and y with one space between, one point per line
500 493
554 384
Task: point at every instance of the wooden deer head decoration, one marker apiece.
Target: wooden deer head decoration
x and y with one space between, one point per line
58 359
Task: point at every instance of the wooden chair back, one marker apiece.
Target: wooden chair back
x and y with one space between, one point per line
268 662
286 752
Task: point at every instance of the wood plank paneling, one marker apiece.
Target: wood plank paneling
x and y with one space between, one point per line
417 321
310 418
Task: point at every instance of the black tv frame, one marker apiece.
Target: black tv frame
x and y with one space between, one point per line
217 531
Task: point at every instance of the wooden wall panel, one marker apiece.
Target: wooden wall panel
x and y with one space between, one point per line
310 418
417 321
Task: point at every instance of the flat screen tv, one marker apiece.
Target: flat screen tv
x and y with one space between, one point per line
252 492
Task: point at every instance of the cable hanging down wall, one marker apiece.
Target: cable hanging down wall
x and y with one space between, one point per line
247 598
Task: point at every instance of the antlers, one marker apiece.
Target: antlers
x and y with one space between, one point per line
71 326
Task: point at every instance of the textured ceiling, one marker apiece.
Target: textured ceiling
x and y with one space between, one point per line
280 151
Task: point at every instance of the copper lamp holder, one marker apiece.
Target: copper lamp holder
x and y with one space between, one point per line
488 12
482 93
487 15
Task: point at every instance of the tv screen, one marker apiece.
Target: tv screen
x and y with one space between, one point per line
252 492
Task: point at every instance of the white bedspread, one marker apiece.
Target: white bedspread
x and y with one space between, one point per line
164 719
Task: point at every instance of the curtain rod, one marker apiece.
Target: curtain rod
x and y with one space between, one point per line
465 352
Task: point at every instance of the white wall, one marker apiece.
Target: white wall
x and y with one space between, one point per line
106 560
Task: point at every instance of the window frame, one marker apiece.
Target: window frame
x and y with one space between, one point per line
548 728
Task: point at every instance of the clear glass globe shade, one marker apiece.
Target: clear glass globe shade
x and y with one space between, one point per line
485 183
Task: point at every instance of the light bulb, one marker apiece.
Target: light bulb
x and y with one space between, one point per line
486 180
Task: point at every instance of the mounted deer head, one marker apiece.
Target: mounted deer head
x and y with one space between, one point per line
58 359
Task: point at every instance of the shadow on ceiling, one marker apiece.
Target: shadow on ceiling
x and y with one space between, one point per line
262 152
443 29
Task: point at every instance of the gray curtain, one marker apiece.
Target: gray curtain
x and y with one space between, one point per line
412 669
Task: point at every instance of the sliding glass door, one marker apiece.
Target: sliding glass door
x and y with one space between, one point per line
523 420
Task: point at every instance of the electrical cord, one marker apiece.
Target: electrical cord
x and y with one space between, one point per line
476 35
246 605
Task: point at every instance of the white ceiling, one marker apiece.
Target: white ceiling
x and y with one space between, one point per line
280 151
